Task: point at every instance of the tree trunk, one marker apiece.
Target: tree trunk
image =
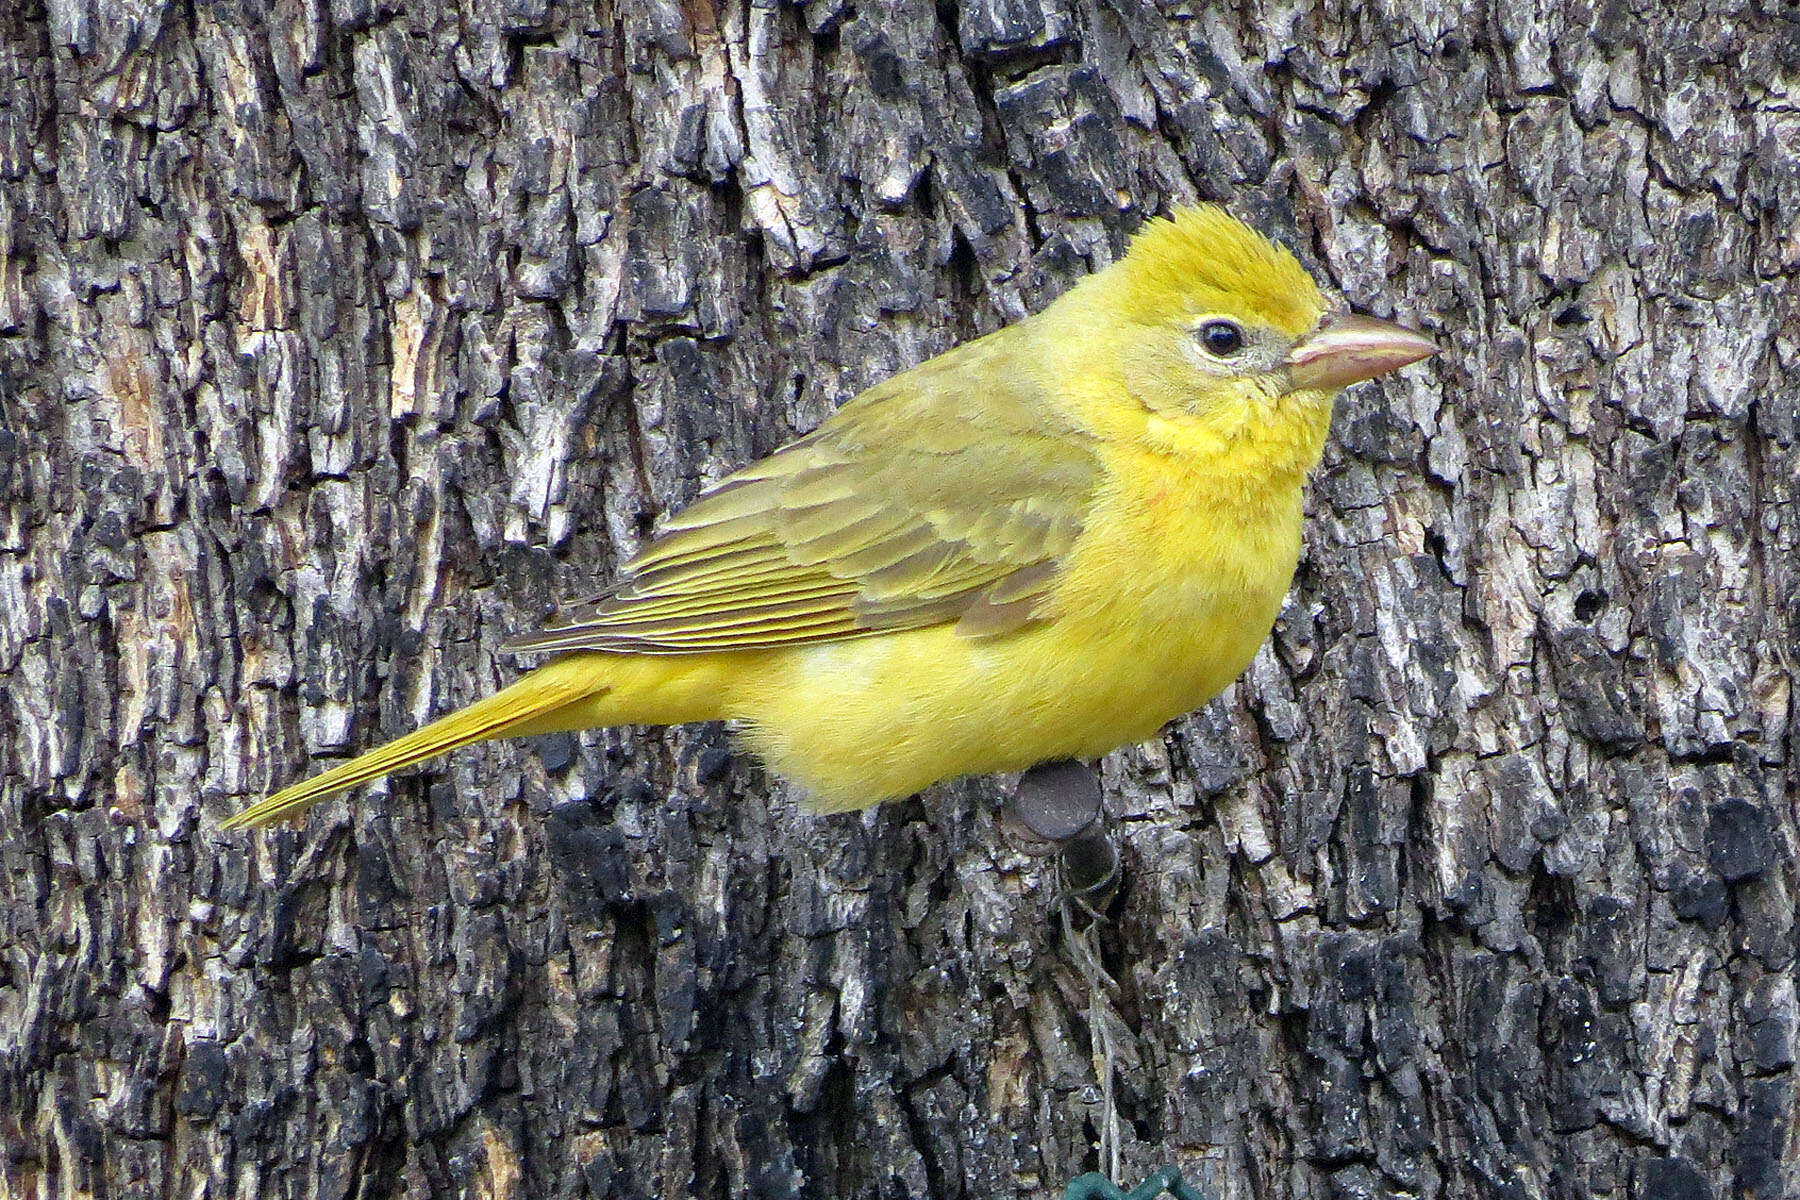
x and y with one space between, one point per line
338 341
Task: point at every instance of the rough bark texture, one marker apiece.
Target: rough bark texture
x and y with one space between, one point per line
338 340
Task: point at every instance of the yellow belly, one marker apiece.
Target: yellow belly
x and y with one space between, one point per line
863 721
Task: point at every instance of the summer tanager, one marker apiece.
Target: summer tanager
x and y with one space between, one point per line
1043 544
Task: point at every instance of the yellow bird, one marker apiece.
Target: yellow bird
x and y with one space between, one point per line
1043 544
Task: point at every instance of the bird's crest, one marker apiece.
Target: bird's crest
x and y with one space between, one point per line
1202 259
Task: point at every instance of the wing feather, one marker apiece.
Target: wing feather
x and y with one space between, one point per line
942 495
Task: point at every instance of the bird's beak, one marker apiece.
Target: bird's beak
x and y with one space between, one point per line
1345 349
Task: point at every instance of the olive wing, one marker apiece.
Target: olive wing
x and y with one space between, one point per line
921 502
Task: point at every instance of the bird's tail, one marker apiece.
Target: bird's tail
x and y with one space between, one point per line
512 711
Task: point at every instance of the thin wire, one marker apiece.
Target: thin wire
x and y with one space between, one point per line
1100 1037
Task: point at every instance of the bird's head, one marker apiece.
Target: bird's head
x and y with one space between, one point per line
1222 324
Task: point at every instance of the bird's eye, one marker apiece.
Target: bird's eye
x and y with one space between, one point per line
1222 339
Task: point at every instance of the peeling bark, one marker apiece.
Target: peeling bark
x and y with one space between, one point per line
337 341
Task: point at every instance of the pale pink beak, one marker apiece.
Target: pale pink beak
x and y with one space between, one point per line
1345 349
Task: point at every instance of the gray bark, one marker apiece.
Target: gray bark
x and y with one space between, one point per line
337 342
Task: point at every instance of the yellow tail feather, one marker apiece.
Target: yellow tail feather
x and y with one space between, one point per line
535 696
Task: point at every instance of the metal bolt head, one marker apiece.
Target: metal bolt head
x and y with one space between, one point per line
1058 800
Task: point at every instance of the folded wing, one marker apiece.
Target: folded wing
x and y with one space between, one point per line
921 502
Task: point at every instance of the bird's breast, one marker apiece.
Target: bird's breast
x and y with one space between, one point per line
1187 579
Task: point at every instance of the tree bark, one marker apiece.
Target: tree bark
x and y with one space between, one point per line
337 341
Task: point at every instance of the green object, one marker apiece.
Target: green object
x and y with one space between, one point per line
1094 1186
